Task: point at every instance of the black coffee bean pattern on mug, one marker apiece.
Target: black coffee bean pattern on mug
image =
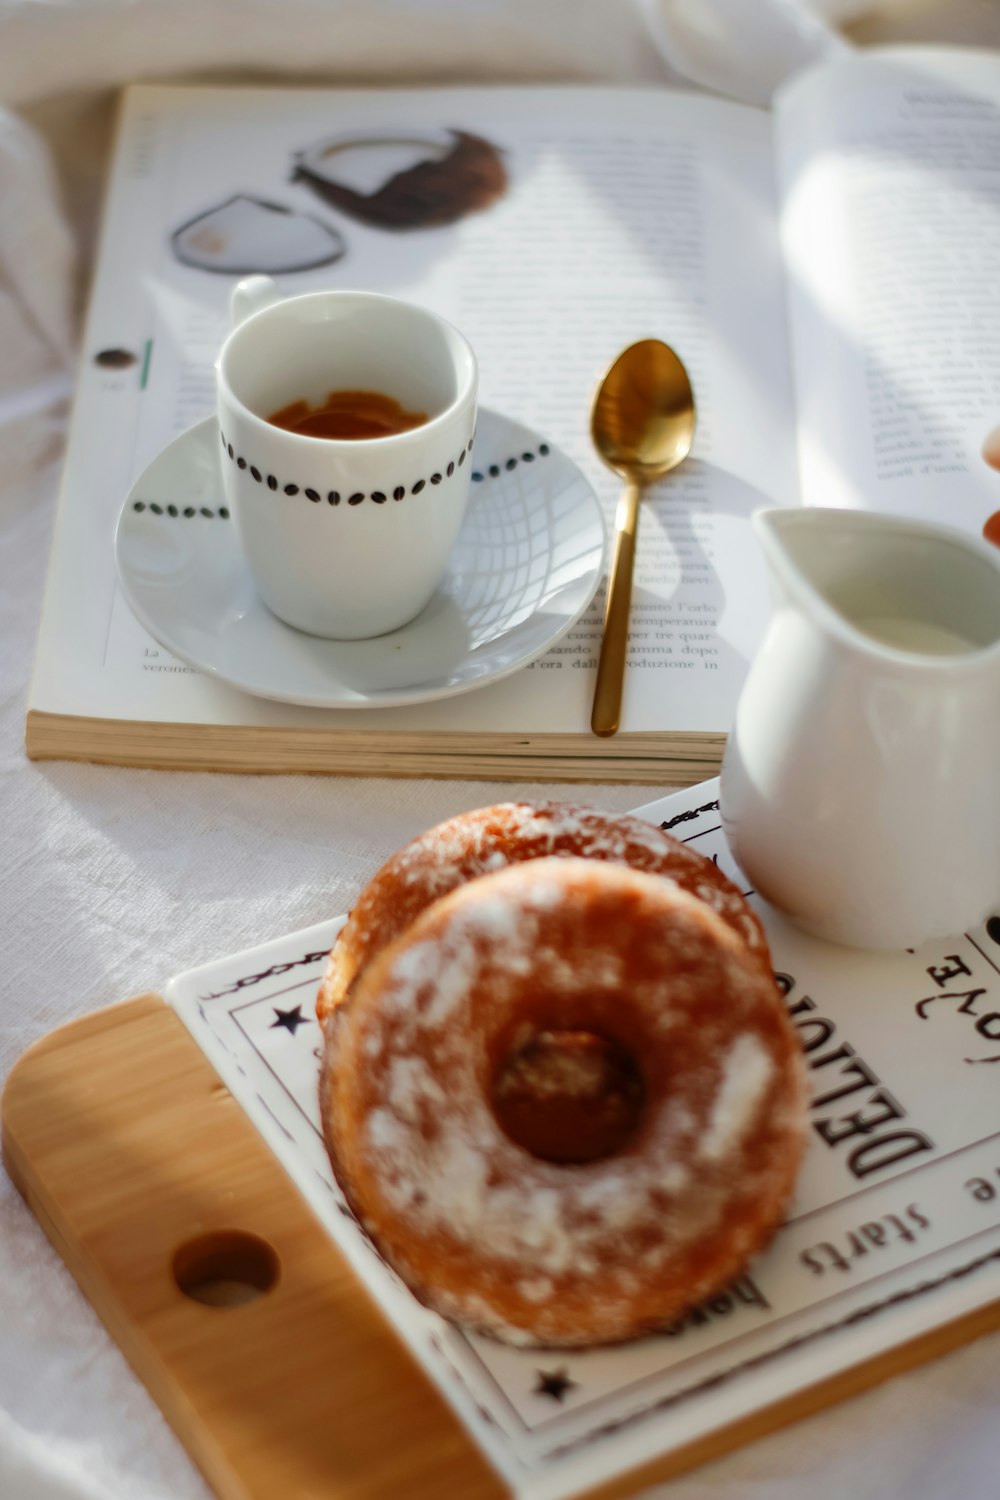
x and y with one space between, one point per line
378 497
333 497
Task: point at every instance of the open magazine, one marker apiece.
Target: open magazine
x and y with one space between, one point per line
827 272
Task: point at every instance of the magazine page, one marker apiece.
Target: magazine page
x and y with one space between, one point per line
579 221
891 236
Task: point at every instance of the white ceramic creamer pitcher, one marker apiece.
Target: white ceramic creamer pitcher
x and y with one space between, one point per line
861 783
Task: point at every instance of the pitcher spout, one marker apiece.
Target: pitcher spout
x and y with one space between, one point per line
885 585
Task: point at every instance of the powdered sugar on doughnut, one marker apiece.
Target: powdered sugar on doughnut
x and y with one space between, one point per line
746 1072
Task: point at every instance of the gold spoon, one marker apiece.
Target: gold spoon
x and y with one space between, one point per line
642 424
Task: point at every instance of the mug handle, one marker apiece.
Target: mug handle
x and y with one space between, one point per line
251 296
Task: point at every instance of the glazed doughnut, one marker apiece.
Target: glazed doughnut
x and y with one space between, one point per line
702 1060
489 838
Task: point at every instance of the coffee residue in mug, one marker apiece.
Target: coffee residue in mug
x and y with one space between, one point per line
348 414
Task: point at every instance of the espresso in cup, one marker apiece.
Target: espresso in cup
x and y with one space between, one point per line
354 415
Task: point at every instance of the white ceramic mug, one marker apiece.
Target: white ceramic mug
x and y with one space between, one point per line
345 538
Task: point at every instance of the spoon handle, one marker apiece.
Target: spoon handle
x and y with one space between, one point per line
607 711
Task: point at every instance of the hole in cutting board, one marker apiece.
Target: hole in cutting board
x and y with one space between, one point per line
226 1268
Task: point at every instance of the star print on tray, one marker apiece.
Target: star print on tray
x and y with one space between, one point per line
554 1383
291 1020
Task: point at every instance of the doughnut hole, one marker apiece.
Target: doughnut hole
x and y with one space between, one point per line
567 1096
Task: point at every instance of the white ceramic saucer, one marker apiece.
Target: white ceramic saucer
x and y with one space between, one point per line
526 565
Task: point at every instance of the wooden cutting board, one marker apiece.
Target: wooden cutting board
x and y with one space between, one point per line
159 1193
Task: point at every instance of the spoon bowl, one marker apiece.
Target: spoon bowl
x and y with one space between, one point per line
642 424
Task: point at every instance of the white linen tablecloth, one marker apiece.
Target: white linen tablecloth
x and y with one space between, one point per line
111 880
